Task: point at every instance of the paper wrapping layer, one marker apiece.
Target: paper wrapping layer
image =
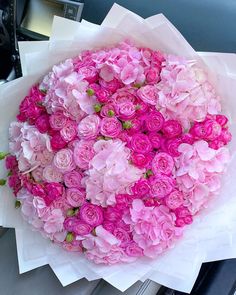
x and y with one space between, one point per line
212 236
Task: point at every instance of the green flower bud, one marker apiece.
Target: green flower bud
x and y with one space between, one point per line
90 92
94 232
3 155
70 212
17 204
137 107
137 85
2 182
69 237
97 107
110 113
127 125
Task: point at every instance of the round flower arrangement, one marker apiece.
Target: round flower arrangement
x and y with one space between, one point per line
116 151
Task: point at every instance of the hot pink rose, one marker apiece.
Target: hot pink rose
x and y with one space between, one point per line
174 199
54 191
140 143
108 110
141 188
214 127
109 226
110 127
112 214
57 120
154 121
64 161
11 162
57 142
171 146
91 214
75 197
161 185
88 127
140 160
69 131
73 179
155 139
222 120
148 94
162 163
81 228
83 153
102 95
172 128
111 86
69 223
42 123
122 235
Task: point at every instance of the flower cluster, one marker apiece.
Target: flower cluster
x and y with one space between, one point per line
116 151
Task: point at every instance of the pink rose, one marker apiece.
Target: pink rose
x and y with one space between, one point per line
83 153
136 126
148 94
73 179
214 127
182 212
161 185
14 182
57 121
108 110
152 75
154 121
172 128
141 187
88 127
91 214
155 139
162 163
174 200
88 73
11 162
75 197
37 174
140 143
111 86
109 226
42 123
57 142
122 235
81 228
140 160
69 223
110 127
74 246
51 174
171 146
64 161
69 131
112 214
132 249
37 190
125 110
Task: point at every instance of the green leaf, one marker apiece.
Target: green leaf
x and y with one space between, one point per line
3 155
69 237
17 204
2 182
127 125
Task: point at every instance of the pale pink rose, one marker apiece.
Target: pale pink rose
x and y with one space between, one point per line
69 131
88 128
64 161
75 197
37 174
148 94
45 157
81 228
54 222
83 153
52 174
57 121
174 200
73 179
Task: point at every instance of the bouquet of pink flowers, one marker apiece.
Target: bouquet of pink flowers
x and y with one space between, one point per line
117 150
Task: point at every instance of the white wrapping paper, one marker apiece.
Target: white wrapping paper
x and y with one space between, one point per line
212 236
